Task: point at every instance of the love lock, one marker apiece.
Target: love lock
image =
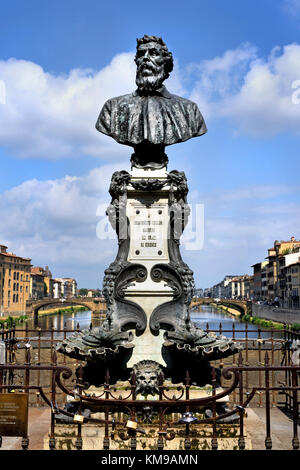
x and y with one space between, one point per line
131 425
78 419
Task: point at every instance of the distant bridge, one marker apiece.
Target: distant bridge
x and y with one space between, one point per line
96 305
243 306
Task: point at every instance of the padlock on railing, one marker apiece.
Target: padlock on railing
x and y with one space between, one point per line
79 419
131 425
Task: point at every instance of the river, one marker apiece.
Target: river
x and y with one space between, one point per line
205 314
59 321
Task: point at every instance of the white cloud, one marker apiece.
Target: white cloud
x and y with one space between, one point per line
54 222
256 95
53 116
239 226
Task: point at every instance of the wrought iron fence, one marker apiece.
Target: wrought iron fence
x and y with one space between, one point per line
120 413
42 345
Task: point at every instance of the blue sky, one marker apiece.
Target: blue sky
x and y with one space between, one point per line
61 60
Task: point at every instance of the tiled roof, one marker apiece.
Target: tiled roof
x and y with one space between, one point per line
37 270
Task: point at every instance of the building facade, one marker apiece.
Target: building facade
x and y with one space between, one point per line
57 289
42 284
65 287
291 282
14 283
272 278
259 274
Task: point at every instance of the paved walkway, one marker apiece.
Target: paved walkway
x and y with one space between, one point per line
281 429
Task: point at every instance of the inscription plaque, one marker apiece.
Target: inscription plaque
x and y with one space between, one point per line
13 414
149 231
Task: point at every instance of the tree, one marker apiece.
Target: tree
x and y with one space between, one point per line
83 292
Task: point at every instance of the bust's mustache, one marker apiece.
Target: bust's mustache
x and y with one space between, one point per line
148 66
149 82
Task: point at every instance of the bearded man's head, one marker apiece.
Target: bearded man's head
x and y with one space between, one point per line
154 63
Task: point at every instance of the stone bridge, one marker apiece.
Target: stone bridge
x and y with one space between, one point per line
96 305
243 306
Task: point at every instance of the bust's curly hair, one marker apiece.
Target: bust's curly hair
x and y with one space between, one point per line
169 64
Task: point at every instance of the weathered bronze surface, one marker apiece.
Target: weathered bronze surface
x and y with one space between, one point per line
161 118
13 414
151 118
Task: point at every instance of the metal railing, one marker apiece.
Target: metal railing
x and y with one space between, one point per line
42 344
121 413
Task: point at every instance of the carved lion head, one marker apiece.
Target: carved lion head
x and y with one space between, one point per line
147 377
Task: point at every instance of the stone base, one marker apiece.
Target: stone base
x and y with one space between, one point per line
200 437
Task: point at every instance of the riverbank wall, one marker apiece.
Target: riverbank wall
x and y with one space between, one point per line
229 310
277 314
262 321
48 311
65 309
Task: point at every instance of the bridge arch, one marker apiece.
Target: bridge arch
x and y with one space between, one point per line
244 307
96 305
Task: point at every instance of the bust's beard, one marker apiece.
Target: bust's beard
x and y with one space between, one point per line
149 83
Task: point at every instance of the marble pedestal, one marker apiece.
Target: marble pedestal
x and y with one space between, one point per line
148 288
148 214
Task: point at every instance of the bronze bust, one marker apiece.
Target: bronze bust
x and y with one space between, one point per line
151 118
